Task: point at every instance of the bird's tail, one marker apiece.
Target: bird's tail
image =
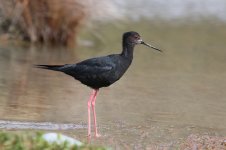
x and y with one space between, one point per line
50 67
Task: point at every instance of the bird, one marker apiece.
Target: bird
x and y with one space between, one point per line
101 71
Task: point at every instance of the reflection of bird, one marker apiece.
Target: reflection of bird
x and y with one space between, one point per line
101 71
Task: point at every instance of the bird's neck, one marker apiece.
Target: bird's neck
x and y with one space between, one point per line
127 51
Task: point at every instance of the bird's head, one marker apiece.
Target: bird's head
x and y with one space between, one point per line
133 38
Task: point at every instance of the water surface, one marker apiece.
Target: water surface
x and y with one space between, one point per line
162 97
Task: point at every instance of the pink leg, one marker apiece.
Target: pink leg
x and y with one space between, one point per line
89 105
94 113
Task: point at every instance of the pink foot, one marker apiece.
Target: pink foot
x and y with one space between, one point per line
97 135
88 138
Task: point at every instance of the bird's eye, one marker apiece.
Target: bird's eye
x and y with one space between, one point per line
136 37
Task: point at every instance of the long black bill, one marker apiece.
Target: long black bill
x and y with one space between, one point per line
142 42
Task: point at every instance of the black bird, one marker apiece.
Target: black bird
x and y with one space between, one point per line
101 71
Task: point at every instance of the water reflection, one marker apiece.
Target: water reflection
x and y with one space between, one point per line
163 98
24 87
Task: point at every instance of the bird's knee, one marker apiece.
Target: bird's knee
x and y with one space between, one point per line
93 103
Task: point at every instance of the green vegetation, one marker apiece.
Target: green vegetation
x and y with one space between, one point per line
34 141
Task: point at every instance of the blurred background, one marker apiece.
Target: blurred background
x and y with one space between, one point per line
162 99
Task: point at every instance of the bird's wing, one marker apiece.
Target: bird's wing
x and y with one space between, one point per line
89 67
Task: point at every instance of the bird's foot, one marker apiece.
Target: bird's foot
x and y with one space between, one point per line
88 138
97 135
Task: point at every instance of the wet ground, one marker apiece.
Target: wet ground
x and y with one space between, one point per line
161 99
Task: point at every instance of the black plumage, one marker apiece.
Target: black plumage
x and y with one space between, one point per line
101 71
96 72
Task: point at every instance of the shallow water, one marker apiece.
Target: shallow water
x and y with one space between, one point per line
163 97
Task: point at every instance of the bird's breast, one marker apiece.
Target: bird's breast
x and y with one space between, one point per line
119 70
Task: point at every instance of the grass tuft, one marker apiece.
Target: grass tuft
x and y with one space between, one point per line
34 141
